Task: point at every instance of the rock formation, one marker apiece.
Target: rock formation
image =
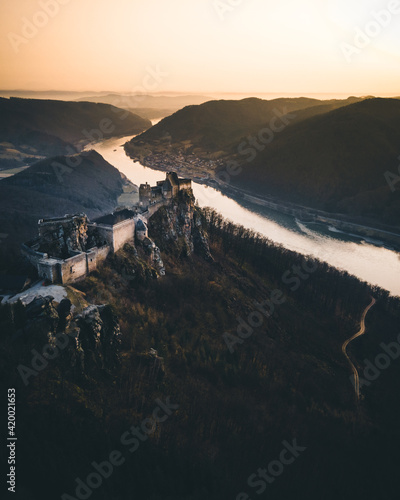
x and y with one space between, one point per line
178 228
80 344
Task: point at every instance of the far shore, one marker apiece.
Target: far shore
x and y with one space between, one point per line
202 174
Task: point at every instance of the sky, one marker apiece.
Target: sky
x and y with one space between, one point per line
202 46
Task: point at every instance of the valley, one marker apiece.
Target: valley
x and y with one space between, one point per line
364 256
200 250
310 161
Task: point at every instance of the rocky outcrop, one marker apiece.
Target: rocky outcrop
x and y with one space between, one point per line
41 323
154 255
83 344
62 238
177 228
99 337
151 364
200 239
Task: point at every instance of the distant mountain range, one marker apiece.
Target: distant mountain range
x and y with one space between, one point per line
147 101
330 155
149 106
59 95
54 187
31 129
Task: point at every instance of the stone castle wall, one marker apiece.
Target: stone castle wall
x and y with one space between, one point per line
50 270
68 270
116 236
31 254
185 184
74 234
78 266
74 268
123 232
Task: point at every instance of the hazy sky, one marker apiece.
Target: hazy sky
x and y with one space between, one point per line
250 46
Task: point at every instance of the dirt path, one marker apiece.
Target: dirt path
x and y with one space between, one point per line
347 342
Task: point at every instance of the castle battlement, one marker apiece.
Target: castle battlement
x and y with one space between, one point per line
68 248
164 190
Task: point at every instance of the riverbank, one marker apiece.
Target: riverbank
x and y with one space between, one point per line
377 235
362 258
202 172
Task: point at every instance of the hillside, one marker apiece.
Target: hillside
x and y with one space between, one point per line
335 161
284 380
331 155
218 126
51 188
31 129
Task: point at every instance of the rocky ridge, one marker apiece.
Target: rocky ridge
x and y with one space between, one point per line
84 343
178 228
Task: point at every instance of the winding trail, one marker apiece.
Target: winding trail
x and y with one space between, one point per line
347 342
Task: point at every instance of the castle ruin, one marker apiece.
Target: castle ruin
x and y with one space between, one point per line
69 248
163 191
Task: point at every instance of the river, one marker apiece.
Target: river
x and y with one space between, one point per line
369 262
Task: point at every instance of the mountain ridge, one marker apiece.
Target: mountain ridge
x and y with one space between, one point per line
31 129
54 187
330 156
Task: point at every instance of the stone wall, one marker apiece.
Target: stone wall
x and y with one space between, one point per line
32 255
91 260
152 209
74 268
185 184
123 232
50 270
116 236
102 254
105 233
96 256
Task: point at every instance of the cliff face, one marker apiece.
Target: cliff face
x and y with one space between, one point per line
99 337
153 255
82 344
177 228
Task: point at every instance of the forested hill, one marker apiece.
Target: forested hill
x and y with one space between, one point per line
246 346
217 126
54 187
35 128
330 155
336 161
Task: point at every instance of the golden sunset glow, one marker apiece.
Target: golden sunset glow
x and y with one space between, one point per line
249 46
